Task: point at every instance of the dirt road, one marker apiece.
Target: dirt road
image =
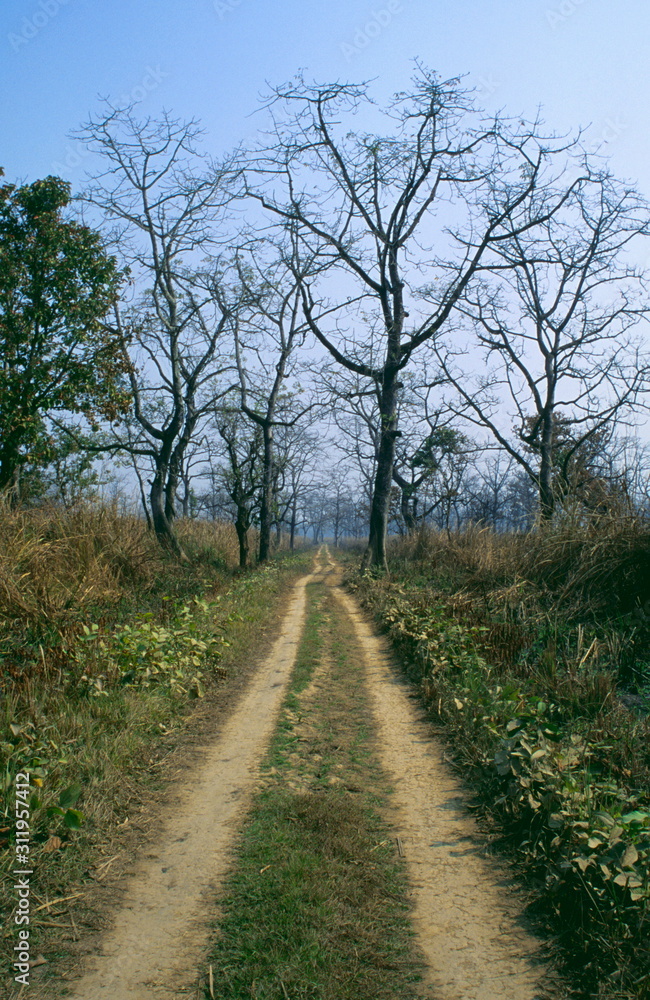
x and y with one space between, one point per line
465 913
160 935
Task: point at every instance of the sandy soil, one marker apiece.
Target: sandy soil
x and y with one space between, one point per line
466 915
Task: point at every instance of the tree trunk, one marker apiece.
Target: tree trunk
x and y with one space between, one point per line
292 535
15 489
241 528
10 473
338 519
171 487
407 503
375 554
546 498
186 505
143 498
266 505
162 525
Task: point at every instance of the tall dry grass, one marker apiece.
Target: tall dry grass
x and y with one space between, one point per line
59 566
53 561
589 566
213 541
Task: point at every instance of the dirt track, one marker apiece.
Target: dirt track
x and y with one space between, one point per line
464 911
465 914
159 936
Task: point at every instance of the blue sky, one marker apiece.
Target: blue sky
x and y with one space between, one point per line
584 61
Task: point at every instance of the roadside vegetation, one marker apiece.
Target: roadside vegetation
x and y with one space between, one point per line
533 652
316 906
106 644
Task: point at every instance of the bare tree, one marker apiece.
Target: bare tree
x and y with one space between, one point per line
628 465
490 491
316 513
268 335
191 472
339 502
241 474
430 455
554 317
297 456
430 477
168 207
376 207
354 412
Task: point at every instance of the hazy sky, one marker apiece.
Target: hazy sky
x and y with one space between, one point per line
584 61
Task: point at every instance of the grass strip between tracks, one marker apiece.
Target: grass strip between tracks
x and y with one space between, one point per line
317 905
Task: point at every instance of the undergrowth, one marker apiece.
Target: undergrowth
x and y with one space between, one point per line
531 651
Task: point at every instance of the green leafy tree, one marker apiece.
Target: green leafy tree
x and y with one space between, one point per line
57 284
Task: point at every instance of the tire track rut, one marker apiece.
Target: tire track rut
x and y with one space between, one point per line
466 917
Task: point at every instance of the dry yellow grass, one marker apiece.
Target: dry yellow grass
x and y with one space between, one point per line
59 567
597 563
52 559
215 539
